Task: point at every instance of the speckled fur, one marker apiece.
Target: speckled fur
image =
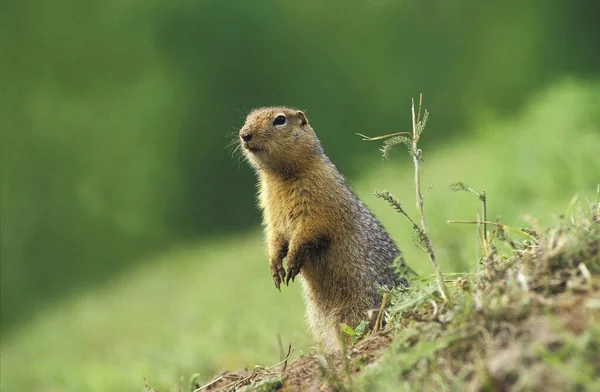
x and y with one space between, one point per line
313 219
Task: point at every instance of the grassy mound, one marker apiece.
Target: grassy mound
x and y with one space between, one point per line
527 318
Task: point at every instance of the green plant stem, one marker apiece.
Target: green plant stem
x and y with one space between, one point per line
417 162
484 202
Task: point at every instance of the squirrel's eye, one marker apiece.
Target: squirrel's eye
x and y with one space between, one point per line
279 120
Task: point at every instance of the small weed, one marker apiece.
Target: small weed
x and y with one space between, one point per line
356 333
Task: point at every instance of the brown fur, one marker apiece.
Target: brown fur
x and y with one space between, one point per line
316 222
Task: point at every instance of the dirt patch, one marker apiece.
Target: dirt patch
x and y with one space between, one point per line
328 373
306 373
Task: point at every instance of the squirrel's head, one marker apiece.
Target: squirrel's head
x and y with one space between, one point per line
279 139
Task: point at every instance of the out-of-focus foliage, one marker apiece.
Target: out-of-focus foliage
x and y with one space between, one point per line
115 114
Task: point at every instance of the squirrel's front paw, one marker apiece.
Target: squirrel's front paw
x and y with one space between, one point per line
292 270
277 272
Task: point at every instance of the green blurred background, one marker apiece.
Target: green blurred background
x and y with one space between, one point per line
130 240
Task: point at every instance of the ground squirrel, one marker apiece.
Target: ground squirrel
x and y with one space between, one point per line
315 221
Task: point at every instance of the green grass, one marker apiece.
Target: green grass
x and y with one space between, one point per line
193 309
202 308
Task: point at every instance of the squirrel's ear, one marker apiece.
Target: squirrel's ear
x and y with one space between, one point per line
302 117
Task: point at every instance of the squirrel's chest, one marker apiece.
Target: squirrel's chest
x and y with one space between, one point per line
283 205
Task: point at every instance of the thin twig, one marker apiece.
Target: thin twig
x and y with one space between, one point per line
370 139
378 320
414 127
246 380
483 233
210 383
500 225
483 198
420 106
290 351
435 309
385 195
476 222
482 239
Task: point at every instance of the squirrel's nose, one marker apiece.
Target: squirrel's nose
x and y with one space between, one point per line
246 138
